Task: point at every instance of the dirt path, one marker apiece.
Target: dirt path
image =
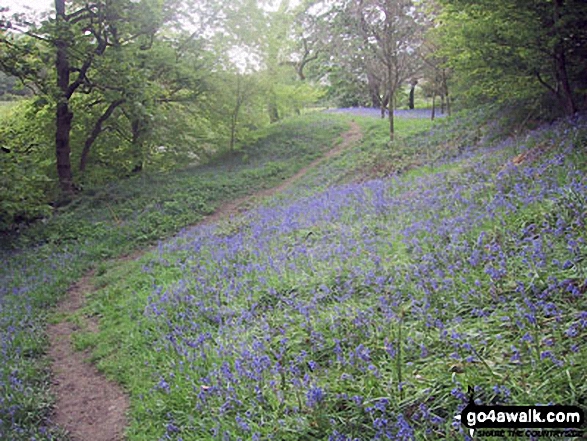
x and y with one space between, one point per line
350 137
88 406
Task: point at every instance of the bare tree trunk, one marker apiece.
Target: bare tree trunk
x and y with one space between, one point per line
390 109
433 107
412 91
445 91
375 99
64 116
391 97
383 105
374 86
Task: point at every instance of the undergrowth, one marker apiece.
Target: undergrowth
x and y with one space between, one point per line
361 310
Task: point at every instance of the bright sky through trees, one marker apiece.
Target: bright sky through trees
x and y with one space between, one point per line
36 5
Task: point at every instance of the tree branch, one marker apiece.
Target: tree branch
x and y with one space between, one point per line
78 15
96 132
545 84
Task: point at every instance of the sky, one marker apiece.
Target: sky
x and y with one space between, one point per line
19 5
44 5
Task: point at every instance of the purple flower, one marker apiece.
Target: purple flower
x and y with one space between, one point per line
314 396
163 385
404 430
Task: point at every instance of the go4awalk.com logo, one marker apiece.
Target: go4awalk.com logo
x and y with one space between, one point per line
522 421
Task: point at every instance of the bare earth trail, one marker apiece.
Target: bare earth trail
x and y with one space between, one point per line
89 406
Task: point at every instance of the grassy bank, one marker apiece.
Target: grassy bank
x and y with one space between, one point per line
366 310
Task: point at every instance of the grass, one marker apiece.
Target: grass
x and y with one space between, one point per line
359 305
365 310
374 157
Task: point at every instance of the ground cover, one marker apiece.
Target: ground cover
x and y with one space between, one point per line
365 310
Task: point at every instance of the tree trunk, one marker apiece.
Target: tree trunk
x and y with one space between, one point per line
390 109
374 86
445 91
137 128
564 90
64 116
383 105
233 126
375 99
62 149
411 100
272 110
433 107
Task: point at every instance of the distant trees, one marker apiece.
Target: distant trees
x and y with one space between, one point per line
437 74
392 32
121 85
483 50
9 87
372 49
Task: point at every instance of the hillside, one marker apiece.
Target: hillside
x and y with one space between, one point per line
364 310
359 303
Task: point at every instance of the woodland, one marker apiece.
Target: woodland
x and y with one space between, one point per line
117 87
336 220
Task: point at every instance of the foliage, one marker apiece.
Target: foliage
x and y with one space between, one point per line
361 302
365 51
146 94
118 76
26 173
509 51
9 88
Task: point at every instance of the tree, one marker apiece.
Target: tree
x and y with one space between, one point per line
391 32
436 74
376 43
515 49
310 37
80 37
110 61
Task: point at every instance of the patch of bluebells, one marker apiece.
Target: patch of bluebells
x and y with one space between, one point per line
398 113
456 272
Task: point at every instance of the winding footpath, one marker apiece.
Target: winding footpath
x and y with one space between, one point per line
88 405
